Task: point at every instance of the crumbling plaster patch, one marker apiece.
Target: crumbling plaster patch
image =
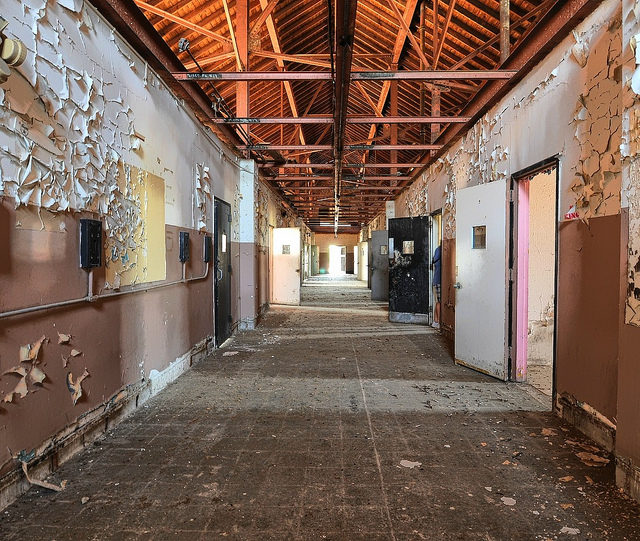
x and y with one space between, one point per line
270 212
568 105
631 152
68 129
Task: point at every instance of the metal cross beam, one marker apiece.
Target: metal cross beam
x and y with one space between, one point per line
345 177
325 119
314 148
404 75
289 165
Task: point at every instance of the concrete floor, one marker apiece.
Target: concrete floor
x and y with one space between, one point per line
328 422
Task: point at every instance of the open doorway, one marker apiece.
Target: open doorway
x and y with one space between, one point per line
435 242
337 259
533 260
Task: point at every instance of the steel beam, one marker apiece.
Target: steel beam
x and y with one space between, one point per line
138 32
550 30
343 39
289 165
315 148
402 75
346 177
408 146
329 189
323 119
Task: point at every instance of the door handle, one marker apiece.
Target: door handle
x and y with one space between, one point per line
220 276
457 285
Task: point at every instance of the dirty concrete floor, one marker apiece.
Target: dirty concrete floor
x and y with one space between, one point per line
329 422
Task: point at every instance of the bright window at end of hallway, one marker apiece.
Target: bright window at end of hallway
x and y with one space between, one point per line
480 237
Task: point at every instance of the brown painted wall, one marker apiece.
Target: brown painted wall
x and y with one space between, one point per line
349 262
121 339
263 278
588 312
323 259
249 281
235 286
628 433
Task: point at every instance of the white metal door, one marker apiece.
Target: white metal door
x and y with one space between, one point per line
286 265
481 278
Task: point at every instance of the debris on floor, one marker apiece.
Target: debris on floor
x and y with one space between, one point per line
43 484
257 446
592 460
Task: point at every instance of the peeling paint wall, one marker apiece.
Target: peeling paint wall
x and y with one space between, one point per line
561 107
87 130
270 212
628 420
578 104
631 154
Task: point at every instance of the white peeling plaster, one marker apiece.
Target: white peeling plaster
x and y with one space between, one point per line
83 110
631 152
270 212
568 105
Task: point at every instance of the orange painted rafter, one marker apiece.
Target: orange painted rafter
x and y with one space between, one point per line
373 106
275 43
263 16
409 11
495 39
299 59
179 20
447 22
407 31
306 112
210 60
233 35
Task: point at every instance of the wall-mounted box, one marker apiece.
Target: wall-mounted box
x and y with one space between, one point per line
207 250
90 243
184 246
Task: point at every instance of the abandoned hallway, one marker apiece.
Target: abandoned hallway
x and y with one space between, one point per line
329 422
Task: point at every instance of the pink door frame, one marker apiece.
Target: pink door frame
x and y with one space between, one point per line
522 279
521 265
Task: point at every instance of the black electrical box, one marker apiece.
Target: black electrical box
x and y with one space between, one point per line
184 246
90 243
206 252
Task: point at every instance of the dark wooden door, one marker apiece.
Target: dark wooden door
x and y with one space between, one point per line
222 249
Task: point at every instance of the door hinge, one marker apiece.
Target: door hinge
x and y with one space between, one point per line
229 218
512 195
229 269
512 275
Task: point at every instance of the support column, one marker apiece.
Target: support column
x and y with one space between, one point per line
390 211
435 111
394 127
248 250
505 30
242 37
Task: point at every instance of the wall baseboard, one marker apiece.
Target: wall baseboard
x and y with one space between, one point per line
55 451
587 420
628 477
